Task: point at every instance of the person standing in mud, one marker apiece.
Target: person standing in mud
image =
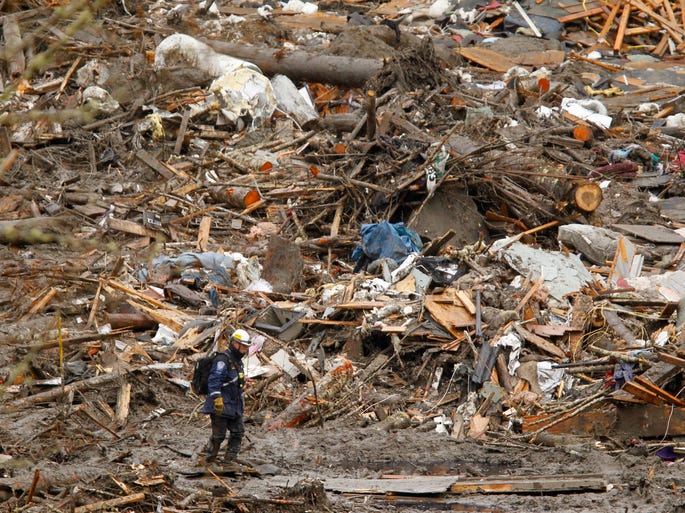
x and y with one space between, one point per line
225 401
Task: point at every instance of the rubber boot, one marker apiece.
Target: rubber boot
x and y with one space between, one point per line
212 450
233 446
230 455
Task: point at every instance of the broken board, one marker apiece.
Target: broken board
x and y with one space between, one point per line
235 469
657 234
432 485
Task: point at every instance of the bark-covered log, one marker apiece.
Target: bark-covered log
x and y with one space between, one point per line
303 66
300 409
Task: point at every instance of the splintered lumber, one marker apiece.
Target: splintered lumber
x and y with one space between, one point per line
110 504
301 66
449 311
160 312
580 314
622 25
641 392
672 359
123 225
659 392
123 403
327 389
539 342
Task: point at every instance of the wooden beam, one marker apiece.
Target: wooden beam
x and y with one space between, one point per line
609 23
641 392
580 15
529 484
622 25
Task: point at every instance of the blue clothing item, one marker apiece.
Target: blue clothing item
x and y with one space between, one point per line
387 240
226 380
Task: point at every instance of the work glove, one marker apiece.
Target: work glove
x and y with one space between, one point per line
218 405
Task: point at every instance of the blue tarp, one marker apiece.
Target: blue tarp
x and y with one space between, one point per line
387 240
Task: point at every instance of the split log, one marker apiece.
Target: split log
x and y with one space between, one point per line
303 66
327 389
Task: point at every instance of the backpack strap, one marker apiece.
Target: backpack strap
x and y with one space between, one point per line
230 361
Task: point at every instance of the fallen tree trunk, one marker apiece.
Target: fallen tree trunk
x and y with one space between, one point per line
303 66
300 409
33 230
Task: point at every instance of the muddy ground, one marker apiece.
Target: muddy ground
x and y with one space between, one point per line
83 458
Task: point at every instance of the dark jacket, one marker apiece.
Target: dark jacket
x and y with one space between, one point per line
228 380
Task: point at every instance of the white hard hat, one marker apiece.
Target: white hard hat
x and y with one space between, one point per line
241 336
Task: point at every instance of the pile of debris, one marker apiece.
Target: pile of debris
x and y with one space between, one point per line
484 239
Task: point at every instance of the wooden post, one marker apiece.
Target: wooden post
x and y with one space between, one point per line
370 114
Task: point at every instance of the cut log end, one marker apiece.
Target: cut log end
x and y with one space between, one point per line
588 196
583 133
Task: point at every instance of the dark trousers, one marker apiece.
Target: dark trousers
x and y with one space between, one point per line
220 426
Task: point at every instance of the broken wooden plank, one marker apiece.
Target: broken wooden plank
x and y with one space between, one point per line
123 225
147 158
652 233
465 299
659 392
546 330
539 342
580 15
672 359
431 485
487 58
531 484
203 233
641 392
448 314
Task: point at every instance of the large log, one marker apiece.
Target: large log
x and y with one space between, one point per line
326 390
303 66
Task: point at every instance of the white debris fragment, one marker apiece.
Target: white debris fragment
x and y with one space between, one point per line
184 50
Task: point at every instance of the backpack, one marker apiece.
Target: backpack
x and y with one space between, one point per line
200 381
